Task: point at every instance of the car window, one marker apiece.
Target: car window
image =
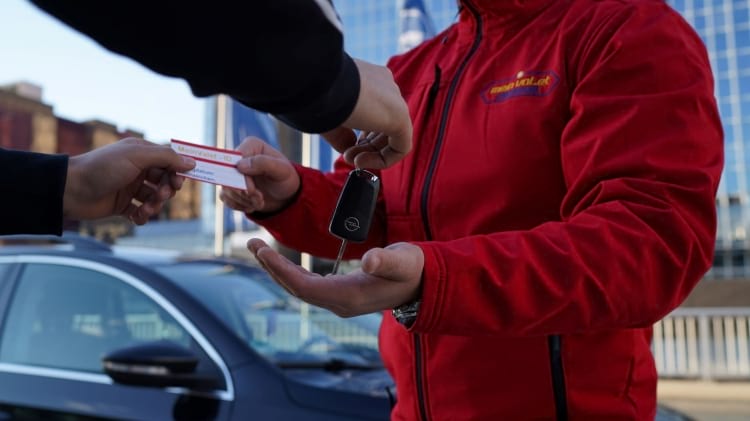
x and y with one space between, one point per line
4 270
70 317
269 320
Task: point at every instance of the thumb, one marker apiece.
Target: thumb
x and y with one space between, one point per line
157 156
340 138
400 262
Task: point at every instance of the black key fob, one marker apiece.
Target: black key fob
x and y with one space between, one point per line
356 205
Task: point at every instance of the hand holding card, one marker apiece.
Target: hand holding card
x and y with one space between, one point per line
213 165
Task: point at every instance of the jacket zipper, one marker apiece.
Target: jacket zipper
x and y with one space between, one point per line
432 93
444 118
431 96
558 377
419 375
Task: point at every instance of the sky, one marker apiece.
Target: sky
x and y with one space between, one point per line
84 81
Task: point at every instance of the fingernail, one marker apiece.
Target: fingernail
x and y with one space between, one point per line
370 264
189 162
150 184
244 164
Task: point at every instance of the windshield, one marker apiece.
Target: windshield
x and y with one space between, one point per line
280 327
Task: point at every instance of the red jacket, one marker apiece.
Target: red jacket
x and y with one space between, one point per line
562 182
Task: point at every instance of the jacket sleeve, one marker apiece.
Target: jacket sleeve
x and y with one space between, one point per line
279 56
642 156
32 192
310 214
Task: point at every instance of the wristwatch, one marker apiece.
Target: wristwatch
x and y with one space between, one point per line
406 314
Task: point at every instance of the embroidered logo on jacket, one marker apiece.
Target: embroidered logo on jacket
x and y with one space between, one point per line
531 83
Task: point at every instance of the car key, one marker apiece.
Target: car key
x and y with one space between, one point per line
353 214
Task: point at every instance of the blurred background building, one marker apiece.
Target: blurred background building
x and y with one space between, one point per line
724 27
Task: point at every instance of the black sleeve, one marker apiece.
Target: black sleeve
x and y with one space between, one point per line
284 57
32 192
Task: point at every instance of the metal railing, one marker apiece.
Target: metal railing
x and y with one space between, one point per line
703 343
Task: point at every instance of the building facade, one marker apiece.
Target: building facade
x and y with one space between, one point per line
373 29
724 26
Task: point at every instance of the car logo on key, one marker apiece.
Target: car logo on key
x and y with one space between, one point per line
351 223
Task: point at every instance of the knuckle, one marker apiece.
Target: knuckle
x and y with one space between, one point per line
342 311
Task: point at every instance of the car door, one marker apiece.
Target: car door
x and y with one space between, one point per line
63 316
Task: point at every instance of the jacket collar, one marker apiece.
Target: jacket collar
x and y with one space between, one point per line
504 7
495 15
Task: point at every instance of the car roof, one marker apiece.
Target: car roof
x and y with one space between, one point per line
74 244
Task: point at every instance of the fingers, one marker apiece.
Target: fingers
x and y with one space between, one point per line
340 138
294 278
136 214
176 181
397 261
373 151
390 277
387 157
399 143
150 185
381 108
150 197
148 155
267 166
242 200
277 266
366 145
252 146
271 179
161 190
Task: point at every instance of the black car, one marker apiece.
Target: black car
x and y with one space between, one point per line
92 332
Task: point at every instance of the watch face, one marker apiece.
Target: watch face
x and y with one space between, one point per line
407 313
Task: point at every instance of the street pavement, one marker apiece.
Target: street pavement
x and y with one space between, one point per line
705 400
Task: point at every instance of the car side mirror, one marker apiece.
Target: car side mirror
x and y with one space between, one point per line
156 364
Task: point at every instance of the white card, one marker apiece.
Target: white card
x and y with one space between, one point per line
213 165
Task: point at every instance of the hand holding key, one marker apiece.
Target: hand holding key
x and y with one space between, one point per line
388 278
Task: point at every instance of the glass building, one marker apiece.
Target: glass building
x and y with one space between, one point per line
373 29
724 26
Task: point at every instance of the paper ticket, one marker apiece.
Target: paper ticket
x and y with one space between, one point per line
213 165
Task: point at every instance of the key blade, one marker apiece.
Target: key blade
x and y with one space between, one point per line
339 257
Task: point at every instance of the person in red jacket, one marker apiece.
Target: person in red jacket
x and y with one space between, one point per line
558 201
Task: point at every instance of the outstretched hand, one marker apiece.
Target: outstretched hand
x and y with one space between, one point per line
388 278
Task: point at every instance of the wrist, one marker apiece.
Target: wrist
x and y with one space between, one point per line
72 191
406 314
275 210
